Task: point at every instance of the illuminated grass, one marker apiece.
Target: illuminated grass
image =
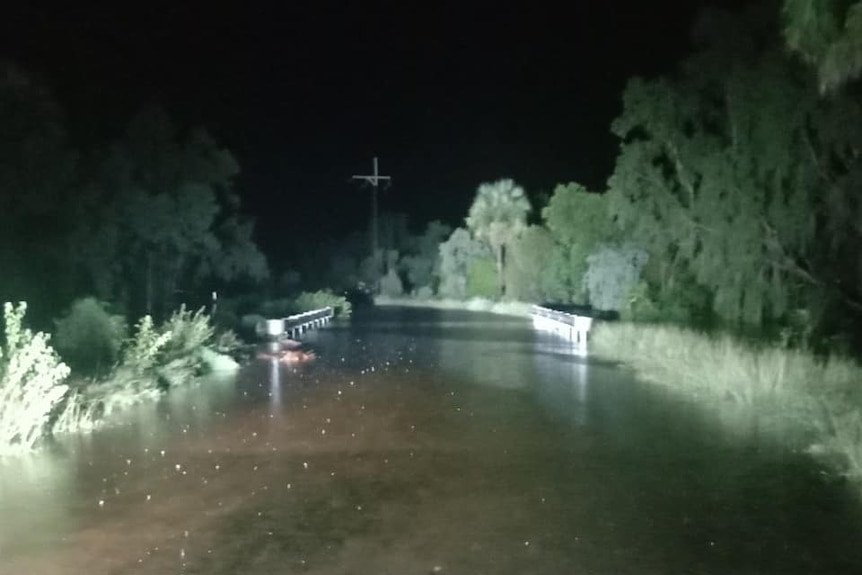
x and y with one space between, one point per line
817 399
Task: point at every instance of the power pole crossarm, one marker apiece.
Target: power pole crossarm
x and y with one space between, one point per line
374 179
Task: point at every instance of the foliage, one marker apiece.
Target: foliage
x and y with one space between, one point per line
424 293
390 284
307 301
576 216
530 254
227 343
153 360
577 221
456 256
38 172
828 35
721 176
612 274
497 216
160 216
89 338
142 351
482 279
421 263
32 382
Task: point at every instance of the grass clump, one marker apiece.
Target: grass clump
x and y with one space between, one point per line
817 399
308 301
154 359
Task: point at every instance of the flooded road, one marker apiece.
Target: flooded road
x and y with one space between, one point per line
424 442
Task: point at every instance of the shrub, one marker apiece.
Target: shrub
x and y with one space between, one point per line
424 293
32 382
142 350
611 274
307 301
391 285
88 338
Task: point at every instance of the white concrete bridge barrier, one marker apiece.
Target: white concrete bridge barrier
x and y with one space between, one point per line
574 327
294 325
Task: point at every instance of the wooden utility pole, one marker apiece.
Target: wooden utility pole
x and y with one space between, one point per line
374 179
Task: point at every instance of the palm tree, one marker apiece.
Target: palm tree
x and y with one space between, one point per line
498 215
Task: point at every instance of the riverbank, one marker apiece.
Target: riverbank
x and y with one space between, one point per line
512 308
790 395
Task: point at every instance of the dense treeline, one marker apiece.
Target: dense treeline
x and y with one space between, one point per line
144 221
734 204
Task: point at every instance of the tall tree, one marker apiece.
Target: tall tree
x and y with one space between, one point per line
722 172
497 216
37 187
578 221
162 217
457 256
421 261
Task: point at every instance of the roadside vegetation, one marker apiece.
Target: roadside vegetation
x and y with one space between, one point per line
102 369
726 239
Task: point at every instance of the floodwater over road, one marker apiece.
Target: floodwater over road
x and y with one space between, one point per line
424 442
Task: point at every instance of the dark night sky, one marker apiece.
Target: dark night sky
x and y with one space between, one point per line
447 95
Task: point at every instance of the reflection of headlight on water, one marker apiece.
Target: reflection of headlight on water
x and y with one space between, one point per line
274 384
33 500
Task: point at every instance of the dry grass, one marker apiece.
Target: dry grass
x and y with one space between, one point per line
819 399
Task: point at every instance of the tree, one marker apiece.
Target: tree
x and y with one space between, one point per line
612 274
38 181
578 221
421 262
828 35
457 255
161 218
529 257
498 215
722 173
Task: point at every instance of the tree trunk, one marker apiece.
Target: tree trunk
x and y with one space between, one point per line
149 283
500 276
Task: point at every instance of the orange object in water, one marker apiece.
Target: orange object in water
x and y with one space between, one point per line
294 356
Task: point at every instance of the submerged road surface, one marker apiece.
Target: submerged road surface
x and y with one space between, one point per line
424 442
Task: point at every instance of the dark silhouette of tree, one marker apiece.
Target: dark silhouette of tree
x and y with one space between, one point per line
161 218
37 184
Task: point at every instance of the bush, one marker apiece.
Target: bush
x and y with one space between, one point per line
391 285
88 338
307 301
32 383
152 360
424 293
611 274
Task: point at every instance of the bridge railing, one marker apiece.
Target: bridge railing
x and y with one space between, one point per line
569 325
295 324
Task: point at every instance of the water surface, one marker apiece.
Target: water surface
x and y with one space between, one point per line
424 442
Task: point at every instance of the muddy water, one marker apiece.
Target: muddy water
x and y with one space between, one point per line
424 442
